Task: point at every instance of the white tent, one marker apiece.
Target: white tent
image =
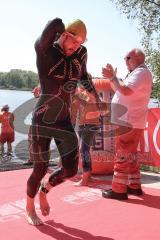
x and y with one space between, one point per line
154 103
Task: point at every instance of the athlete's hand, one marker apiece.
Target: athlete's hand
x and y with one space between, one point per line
37 91
56 28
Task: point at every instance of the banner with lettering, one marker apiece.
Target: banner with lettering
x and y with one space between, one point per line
148 150
150 141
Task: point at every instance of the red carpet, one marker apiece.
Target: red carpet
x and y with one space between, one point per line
78 213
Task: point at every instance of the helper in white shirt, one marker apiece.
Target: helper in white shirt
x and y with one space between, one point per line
129 112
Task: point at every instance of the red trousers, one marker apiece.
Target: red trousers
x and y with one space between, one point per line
7 137
126 167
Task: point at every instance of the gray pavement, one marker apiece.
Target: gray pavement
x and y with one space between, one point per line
151 180
148 179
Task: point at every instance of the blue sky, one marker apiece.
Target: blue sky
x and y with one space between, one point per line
110 34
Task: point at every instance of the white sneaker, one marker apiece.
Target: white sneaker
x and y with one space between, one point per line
10 154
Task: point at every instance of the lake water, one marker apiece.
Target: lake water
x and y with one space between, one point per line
16 100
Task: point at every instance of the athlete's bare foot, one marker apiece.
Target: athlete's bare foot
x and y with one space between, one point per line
85 179
33 219
31 214
80 183
44 206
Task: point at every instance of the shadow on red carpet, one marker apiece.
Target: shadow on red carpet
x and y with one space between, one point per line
78 213
51 228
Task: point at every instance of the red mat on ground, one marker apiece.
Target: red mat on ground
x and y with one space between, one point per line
78 213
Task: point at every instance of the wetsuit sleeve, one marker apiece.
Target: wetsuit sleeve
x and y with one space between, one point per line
51 33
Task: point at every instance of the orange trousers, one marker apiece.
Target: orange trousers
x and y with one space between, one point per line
126 166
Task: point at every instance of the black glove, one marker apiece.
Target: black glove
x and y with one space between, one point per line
51 33
54 29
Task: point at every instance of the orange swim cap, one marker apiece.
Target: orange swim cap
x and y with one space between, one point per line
78 29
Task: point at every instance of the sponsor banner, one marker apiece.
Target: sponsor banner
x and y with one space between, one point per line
102 152
149 143
154 135
148 149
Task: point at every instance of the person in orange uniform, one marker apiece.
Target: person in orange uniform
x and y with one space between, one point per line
133 94
7 129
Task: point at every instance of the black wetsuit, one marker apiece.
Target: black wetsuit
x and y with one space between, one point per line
58 76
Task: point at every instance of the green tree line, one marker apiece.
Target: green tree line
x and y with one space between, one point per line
27 80
147 13
18 79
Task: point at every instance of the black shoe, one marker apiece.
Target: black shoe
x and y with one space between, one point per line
136 192
114 195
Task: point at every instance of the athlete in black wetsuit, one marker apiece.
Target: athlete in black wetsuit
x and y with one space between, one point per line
61 65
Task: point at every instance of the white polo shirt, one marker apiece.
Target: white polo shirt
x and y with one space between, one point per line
132 109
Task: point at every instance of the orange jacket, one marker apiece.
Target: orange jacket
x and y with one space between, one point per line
6 120
102 84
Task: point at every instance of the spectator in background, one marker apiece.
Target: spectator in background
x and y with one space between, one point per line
7 130
86 116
